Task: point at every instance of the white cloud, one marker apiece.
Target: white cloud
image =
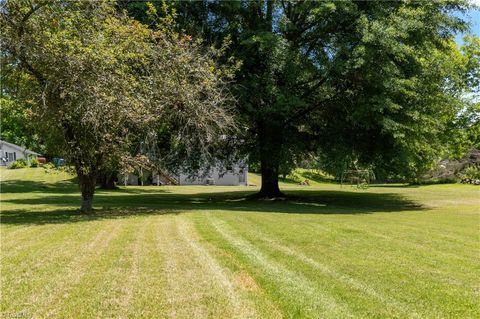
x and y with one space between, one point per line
475 2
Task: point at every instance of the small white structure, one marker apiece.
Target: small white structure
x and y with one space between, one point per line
9 153
233 175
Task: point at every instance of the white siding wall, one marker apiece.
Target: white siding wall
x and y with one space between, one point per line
237 175
217 176
10 154
131 179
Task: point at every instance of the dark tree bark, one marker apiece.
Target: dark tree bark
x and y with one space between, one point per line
87 183
270 188
107 180
270 140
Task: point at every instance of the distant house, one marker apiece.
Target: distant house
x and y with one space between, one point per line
231 175
10 153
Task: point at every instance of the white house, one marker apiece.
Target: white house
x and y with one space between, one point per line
10 153
233 175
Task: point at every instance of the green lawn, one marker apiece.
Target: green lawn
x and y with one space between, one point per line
205 251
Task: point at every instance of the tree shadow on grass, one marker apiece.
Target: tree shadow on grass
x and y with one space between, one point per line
134 205
18 186
125 202
63 187
63 216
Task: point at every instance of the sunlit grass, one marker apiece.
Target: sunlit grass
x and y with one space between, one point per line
205 251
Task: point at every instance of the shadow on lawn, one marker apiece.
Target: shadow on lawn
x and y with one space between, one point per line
17 186
62 216
127 202
61 187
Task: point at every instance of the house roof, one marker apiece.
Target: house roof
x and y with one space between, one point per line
20 148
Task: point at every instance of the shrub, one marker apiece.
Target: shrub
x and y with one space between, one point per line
472 172
48 167
295 177
67 169
439 180
20 163
34 162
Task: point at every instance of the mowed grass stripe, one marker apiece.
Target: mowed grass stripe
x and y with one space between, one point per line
410 277
394 306
407 237
192 291
34 241
240 308
105 289
242 276
130 283
463 232
14 233
344 286
394 236
71 275
35 270
400 250
342 232
418 234
335 237
440 220
309 300
148 288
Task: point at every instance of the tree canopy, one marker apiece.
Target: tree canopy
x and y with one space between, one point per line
369 83
97 79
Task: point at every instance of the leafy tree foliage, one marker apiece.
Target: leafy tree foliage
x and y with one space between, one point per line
15 120
97 79
368 83
15 125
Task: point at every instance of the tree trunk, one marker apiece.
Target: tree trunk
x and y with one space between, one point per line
87 184
270 142
107 180
87 205
270 188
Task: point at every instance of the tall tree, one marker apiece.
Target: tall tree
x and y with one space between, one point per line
465 130
94 75
366 82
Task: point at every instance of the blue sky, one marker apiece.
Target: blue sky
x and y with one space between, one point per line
473 16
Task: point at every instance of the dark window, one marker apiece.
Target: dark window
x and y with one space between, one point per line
14 156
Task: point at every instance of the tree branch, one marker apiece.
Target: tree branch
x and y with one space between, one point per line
19 53
304 112
27 16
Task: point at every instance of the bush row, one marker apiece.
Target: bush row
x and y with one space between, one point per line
21 163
